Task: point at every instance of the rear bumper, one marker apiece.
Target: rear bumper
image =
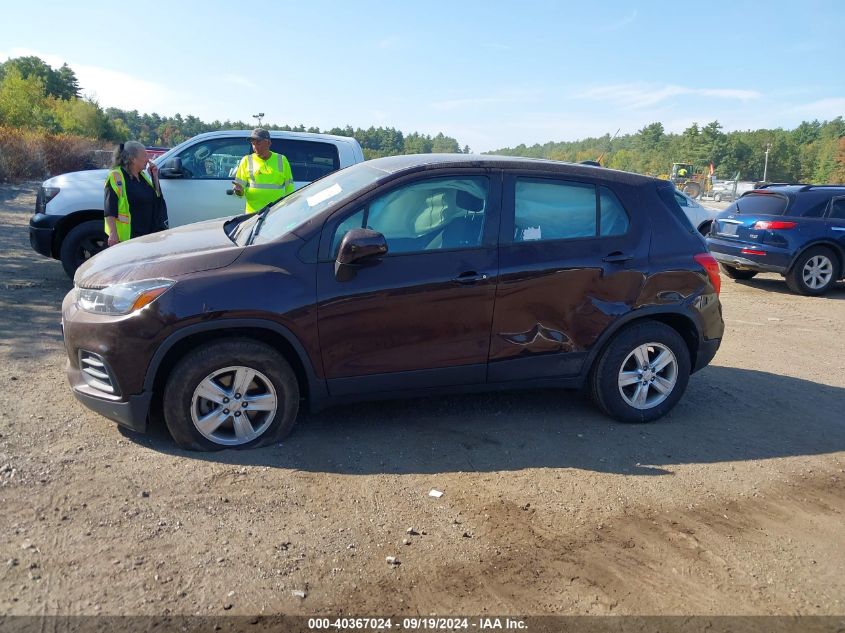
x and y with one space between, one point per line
775 260
42 228
706 351
131 412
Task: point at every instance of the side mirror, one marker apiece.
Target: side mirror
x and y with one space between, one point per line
172 169
358 247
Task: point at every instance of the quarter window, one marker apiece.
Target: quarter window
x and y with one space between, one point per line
614 220
837 209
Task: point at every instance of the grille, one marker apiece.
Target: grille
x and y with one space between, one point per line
95 372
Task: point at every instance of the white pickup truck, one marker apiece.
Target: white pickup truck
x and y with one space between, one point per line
195 175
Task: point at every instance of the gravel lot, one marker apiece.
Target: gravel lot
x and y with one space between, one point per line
733 504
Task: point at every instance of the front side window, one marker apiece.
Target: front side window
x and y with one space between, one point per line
432 214
215 159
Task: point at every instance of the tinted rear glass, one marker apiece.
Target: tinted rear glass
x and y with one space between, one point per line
761 204
810 204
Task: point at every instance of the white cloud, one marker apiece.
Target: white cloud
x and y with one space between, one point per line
641 95
619 24
823 108
239 80
109 87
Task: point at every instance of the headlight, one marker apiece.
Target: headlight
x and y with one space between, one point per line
122 298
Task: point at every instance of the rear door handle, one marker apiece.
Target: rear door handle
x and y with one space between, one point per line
617 258
470 277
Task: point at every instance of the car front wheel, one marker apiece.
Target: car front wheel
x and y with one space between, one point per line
236 393
815 271
642 373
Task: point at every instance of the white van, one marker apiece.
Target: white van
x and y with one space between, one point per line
195 175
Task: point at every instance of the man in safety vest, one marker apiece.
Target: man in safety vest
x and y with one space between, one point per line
263 176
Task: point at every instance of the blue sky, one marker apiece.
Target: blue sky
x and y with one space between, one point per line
491 74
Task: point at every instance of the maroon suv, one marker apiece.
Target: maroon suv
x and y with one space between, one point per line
399 276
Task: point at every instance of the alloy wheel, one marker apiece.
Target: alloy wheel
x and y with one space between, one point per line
648 375
234 405
817 272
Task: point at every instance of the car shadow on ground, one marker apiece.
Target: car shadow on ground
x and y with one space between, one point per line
727 414
837 291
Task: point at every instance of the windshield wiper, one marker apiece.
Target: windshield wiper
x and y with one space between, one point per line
262 215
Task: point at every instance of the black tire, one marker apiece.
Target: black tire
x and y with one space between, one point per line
717 197
704 229
615 358
819 259
198 366
737 273
80 244
692 189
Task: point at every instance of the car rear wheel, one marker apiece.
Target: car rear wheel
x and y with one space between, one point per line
814 272
236 393
80 244
737 273
642 373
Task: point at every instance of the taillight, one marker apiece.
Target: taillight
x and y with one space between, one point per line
712 268
775 225
752 251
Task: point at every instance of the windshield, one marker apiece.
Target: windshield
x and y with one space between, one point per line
306 203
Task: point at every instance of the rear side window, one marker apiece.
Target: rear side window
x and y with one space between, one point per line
761 204
309 160
810 204
554 210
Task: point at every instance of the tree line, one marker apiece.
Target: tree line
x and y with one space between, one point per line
814 152
34 96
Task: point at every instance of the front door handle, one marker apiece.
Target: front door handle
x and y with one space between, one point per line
470 277
617 257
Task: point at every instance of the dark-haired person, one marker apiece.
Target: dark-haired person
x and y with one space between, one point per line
134 205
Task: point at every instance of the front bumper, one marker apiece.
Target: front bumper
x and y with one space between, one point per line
42 229
131 412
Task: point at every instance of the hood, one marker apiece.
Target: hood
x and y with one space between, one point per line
92 179
181 251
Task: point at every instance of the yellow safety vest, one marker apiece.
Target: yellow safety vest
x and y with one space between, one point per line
264 181
123 221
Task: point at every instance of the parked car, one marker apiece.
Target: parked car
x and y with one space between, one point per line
396 277
68 220
700 216
795 230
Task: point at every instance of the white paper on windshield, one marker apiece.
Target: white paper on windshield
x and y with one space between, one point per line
532 233
323 195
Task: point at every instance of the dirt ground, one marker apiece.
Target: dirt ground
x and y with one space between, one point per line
733 504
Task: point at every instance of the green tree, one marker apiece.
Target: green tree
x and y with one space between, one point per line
24 104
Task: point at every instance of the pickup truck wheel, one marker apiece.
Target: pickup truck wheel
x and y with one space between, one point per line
642 373
235 393
80 244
